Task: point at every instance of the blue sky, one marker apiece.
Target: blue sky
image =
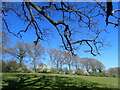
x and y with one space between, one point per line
109 55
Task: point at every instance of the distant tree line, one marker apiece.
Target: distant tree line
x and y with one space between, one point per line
62 59
17 58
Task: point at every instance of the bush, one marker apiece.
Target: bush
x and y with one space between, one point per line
102 74
13 67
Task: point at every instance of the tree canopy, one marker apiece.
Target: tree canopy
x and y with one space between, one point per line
76 23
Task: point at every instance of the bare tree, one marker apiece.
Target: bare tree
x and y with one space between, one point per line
68 59
5 39
99 66
114 71
4 44
57 58
86 64
18 51
35 53
76 61
60 58
76 19
91 64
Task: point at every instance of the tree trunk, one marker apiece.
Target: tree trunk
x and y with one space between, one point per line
69 66
34 64
20 60
76 67
100 70
57 65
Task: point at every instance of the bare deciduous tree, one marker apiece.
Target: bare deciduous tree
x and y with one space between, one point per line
68 59
93 65
18 51
76 61
57 58
35 53
79 21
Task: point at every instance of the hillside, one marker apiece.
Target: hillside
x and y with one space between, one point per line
23 81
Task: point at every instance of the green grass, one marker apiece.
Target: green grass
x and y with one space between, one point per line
29 81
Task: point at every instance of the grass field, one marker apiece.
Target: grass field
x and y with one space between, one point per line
28 81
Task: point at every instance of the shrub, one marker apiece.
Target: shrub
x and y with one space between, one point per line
102 74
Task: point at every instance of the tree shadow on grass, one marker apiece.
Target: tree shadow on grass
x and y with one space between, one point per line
34 82
22 82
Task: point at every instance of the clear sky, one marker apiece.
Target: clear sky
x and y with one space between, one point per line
109 55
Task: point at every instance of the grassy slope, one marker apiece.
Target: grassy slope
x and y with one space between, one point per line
57 81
